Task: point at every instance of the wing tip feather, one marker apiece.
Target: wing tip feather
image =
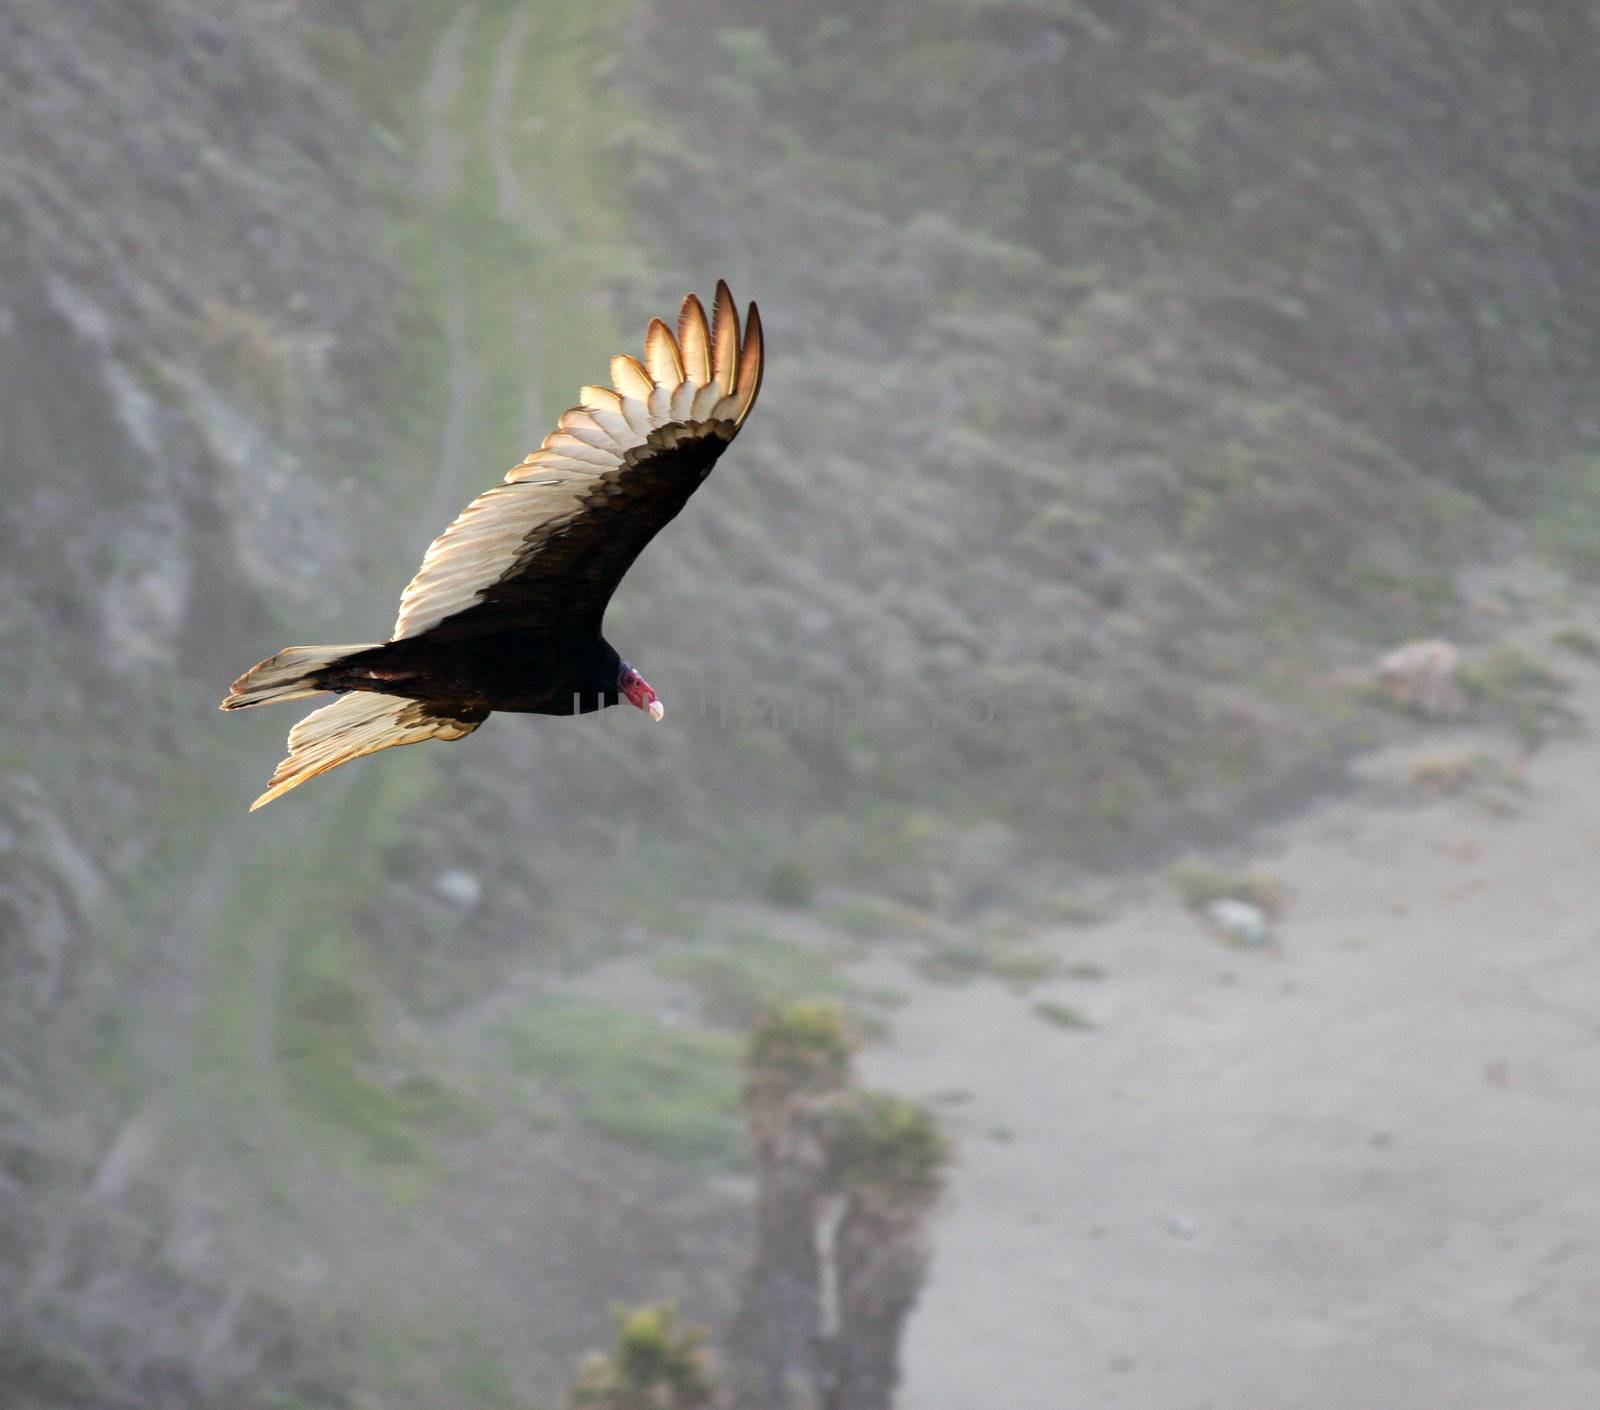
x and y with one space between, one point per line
694 340
724 337
752 358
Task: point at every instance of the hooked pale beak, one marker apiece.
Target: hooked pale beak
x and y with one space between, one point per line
637 689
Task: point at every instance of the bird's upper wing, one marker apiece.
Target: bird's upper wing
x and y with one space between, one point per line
547 548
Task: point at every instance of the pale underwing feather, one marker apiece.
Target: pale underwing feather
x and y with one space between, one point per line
704 399
585 428
565 443
593 398
661 355
616 425
630 378
637 412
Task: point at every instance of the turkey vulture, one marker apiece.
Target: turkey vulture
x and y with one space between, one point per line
505 612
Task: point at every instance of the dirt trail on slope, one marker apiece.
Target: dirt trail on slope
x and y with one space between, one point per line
1358 1170
438 174
540 1231
515 208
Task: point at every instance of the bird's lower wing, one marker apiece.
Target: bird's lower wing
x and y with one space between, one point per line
362 723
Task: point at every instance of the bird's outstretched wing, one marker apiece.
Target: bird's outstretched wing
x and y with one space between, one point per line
362 723
546 549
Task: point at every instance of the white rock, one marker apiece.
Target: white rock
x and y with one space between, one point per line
1422 676
460 888
1239 921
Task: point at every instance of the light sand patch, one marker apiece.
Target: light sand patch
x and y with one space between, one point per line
1360 1171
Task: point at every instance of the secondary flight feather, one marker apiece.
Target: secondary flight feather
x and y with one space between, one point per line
505 612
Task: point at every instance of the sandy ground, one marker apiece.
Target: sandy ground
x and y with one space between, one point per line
1357 1171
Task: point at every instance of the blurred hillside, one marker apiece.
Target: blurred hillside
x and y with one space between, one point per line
1139 358
1136 367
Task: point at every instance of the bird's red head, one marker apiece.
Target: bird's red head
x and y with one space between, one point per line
638 691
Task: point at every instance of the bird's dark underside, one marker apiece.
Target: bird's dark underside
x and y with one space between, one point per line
518 672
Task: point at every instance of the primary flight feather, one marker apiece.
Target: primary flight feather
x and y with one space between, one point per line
505 612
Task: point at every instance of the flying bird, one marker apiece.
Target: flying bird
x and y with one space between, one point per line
506 610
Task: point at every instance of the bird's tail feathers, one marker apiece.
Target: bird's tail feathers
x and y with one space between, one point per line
287 676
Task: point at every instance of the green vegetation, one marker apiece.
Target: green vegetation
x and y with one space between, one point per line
1578 641
479 1377
804 1047
872 918
790 884
341 1075
290 1031
1506 673
1062 1015
1566 527
1067 908
881 1140
656 1365
1510 683
348 63
1443 774
1002 956
1198 884
1484 779
671 1091
444 1357
747 974
1020 965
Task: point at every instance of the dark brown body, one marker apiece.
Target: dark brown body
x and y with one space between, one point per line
522 672
499 654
